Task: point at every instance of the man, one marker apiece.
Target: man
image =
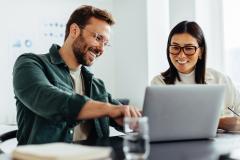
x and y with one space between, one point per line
54 92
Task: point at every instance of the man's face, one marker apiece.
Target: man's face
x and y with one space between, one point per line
92 40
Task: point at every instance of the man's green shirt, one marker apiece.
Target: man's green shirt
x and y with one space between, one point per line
47 105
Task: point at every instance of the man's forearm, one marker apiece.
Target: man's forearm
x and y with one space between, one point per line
94 109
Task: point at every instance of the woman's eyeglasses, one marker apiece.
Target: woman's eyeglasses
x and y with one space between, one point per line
188 50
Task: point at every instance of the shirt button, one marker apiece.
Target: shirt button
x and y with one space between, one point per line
71 131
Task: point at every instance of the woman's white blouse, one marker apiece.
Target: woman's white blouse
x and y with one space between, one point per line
232 95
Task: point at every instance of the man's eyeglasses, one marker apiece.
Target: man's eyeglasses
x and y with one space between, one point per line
97 36
188 50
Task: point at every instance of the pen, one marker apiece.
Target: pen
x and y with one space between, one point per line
234 112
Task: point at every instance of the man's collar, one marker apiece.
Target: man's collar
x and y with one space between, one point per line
86 72
55 57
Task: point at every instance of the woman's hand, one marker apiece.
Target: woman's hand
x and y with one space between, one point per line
229 123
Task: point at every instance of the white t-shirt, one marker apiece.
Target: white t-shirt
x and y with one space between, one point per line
186 78
78 80
81 131
232 95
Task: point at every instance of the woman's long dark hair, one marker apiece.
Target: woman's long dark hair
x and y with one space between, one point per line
194 30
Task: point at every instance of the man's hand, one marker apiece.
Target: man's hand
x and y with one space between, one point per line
119 112
229 123
94 109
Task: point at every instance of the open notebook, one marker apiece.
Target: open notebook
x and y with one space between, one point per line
60 151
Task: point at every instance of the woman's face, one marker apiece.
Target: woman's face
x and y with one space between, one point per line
184 52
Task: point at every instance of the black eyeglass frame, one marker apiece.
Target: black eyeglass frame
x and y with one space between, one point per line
183 49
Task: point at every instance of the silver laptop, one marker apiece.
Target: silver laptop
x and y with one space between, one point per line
183 112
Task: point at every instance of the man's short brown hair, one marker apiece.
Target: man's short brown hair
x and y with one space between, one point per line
82 15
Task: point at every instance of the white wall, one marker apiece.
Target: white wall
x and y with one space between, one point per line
180 10
157 32
130 48
210 17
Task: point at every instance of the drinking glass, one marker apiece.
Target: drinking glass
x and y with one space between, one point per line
136 141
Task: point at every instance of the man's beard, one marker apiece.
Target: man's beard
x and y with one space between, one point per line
79 47
79 57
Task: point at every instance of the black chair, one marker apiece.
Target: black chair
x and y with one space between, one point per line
124 101
8 135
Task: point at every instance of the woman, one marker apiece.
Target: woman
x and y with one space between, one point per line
186 54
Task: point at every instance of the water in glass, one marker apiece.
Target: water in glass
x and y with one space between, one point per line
136 140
